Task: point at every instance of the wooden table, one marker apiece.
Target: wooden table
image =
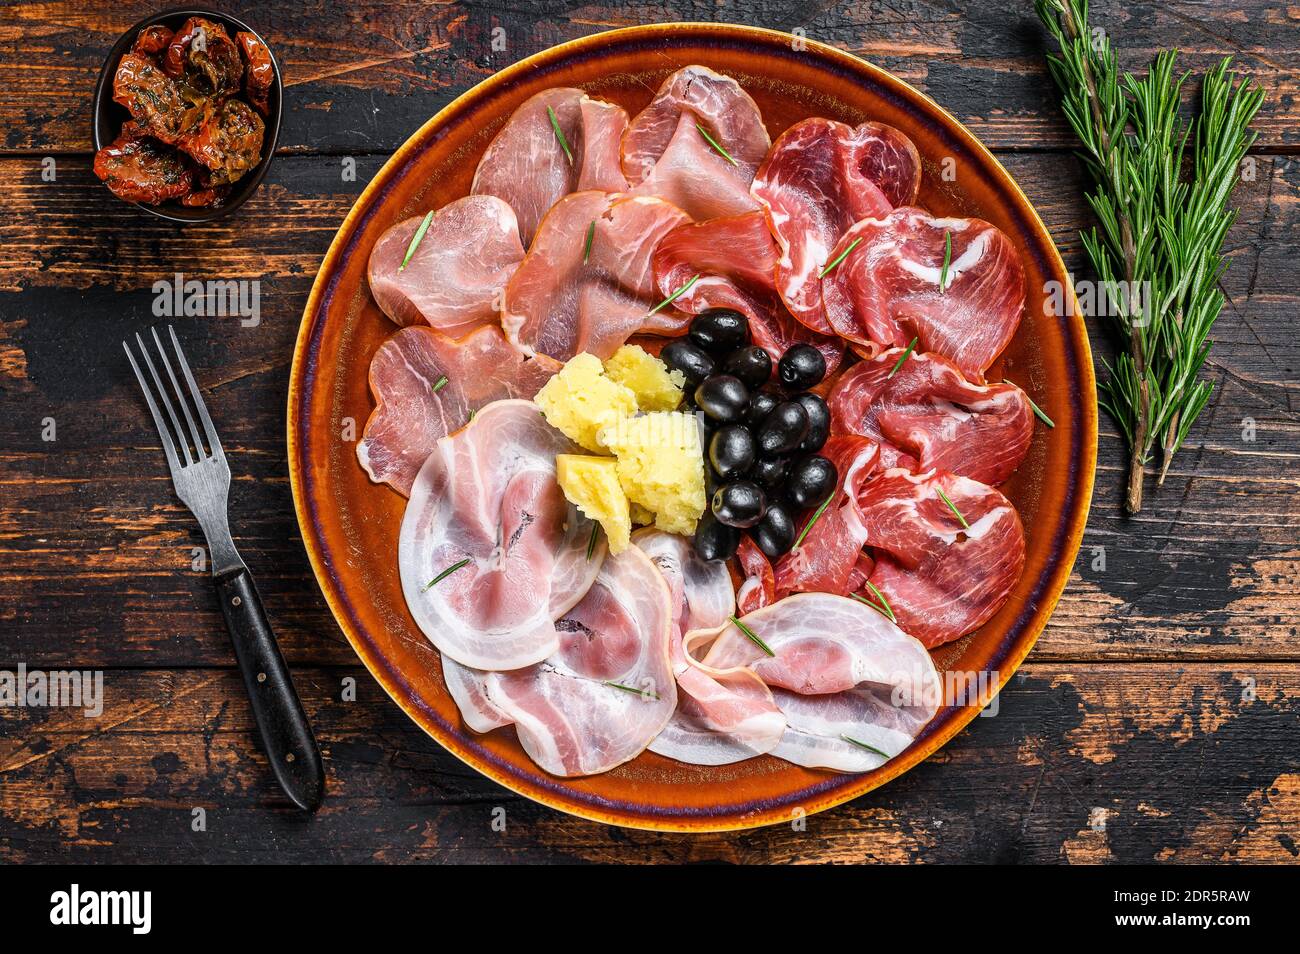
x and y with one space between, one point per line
1157 719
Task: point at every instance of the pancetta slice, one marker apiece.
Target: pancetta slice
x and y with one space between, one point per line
571 295
820 177
426 385
667 153
735 259
886 290
527 166
825 559
490 552
941 577
608 689
925 415
721 717
854 688
455 277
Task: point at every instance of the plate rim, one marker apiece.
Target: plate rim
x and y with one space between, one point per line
691 824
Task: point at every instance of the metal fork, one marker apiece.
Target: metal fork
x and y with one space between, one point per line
202 482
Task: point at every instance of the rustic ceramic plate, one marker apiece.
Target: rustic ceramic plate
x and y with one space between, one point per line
350 526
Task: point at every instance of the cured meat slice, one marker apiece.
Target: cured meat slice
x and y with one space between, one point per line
886 290
490 552
756 583
735 259
721 717
850 683
825 559
456 275
942 578
426 385
926 415
586 283
820 177
527 166
667 152
608 689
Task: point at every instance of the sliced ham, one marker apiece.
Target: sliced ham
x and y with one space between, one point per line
559 305
854 688
666 150
455 278
426 385
820 177
721 716
941 579
755 582
925 415
735 259
527 166
490 552
886 290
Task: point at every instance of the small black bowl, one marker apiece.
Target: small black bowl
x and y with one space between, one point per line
109 116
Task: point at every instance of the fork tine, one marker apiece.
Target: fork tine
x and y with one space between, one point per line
180 395
167 402
214 442
169 448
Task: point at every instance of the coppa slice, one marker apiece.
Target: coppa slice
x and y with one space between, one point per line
426 385
854 688
735 259
944 570
667 152
455 277
490 552
886 290
527 165
586 283
820 177
925 415
721 717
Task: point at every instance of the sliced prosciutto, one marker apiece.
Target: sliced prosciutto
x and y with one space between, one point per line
426 385
721 717
854 688
755 581
455 277
586 283
735 259
925 415
490 552
941 577
820 177
886 290
527 166
667 152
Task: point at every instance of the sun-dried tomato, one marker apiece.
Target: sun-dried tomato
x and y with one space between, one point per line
152 40
228 144
259 73
204 58
138 168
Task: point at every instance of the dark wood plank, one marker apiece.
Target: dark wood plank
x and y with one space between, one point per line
1081 763
361 77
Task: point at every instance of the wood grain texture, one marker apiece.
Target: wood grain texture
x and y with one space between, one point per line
1137 682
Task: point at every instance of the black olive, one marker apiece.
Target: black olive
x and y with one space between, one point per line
761 404
715 540
752 365
692 361
740 503
719 331
723 398
769 473
783 430
811 480
774 534
732 451
801 367
819 423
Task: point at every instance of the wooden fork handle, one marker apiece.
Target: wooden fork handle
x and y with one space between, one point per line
286 733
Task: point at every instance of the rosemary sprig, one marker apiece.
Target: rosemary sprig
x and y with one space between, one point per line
884 608
714 143
439 384
953 507
840 257
870 748
586 248
1158 247
591 544
559 134
416 239
445 573
632 689
753 636
901 358
816 515
947 262
674 296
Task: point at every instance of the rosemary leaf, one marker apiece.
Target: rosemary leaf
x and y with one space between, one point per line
714 143
416 239
439 384
840 257
816 515
632 689
559 134
870 748
903 357
586 248
947 262
952 507
1042 416
753 636
883 608
591 544
674 296
445 573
